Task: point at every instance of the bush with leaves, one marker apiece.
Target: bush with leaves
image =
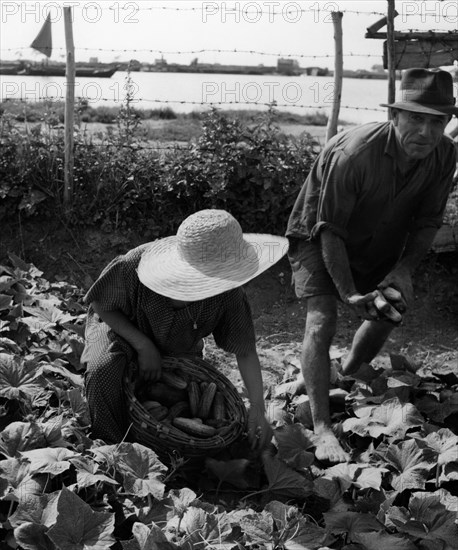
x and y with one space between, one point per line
253 171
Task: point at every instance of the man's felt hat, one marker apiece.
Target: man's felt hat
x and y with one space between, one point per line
209 255
428 91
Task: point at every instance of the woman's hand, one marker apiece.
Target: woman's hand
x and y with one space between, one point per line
149 362
259 430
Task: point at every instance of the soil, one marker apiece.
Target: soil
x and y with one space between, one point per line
428 334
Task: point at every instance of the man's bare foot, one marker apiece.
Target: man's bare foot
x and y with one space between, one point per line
328 448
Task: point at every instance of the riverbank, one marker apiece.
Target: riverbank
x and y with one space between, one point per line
153 125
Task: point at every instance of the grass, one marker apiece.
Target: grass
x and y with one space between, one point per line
43 110
180 129
159 124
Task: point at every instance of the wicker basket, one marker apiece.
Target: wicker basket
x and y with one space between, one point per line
164 438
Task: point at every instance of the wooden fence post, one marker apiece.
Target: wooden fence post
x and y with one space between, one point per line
390 49
331 129
69 110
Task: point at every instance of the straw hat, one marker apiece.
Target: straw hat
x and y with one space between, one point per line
428 91
209 255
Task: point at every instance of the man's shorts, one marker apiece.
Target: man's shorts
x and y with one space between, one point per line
310 276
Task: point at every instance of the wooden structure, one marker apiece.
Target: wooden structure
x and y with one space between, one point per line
69 110
331 129
413 49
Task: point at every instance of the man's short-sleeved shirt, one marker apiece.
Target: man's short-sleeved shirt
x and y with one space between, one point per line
356 190
227 316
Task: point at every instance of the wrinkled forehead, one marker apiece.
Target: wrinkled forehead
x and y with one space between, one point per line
427 116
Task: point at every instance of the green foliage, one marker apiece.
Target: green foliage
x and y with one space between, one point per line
120 181
252 171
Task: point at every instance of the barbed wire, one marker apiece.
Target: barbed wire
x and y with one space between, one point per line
200 51
199 103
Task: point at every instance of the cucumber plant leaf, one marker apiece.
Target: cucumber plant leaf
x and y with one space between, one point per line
293 445
391 418
79 527
79 406
331 490
182 499
382 541
151 538
231 471
351 523
426 518
31 536
445 443
283 480
75 380
292 530
362 476
141 470
18 379
49 460
258 527
37 509
411 464
202 527
44 318
446 498
14 471
21 436
52 432
88 472
5 301
435 410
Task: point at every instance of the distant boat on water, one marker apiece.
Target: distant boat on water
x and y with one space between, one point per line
27 69
10 68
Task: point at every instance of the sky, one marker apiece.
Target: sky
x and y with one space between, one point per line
261 32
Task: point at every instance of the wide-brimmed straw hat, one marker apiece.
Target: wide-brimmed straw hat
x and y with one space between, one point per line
209 255
428 91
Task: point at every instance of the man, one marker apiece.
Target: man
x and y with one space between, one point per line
365 217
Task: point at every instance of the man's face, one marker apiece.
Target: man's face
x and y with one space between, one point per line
418 134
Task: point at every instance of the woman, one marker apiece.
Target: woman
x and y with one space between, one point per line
162 298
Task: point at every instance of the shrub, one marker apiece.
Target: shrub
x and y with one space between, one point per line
252 171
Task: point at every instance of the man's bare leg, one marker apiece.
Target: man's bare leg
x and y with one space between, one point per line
320 328
367 342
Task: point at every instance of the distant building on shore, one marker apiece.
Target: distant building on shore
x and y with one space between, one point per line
316 71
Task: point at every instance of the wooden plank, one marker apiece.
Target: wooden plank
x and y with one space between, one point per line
69 110
378 25
429 35
420 53
391 55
